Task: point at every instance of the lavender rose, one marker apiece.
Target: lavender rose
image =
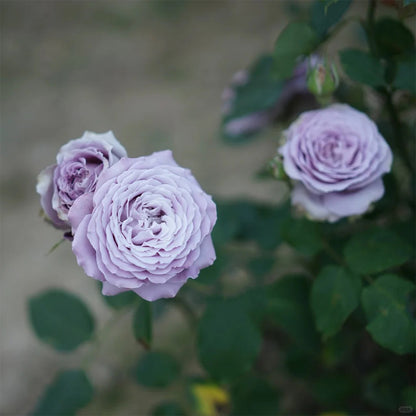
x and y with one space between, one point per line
147 227
79 164
336 156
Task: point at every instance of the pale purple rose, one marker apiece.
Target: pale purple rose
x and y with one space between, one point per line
146 228
78 166
336 157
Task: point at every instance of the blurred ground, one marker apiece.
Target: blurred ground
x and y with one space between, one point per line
151 72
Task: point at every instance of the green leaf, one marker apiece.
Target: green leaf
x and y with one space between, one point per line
303 235
228 340
254 396
69 392
408 396
266 229
288 308
60 319
168 409
334 390
405 78
385 305
261 92
232 218
393 37
335 294
261 266
375 250
382 387
142 324
249 221
324 16
122 300
156 369
296 39
362 67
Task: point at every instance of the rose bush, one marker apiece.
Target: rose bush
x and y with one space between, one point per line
336 157
146 228
78 165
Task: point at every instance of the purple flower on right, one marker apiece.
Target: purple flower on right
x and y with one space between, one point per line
336 157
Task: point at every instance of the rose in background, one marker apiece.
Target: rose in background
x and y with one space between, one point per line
78 166
336 158
243 120
146 228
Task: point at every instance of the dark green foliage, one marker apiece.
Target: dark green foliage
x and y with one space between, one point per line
249 221
122 300
228 340
288 308
362 67
69 392
295 40
324 15
389 321
393 37
376 250
405 78
142 323
261 92
303 235
335 294
60 319
254 396
168 409
156 370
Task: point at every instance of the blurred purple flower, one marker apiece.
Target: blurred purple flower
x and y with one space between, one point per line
294 86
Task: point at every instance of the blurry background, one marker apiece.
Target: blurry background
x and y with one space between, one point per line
152 72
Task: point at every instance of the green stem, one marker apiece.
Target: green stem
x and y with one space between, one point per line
397 131
371 13
333 254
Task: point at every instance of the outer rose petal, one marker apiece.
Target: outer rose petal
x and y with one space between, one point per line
152 291
84 252
82 206
311 203
45 189
345 204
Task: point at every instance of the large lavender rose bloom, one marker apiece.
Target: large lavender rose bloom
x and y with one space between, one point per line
147 227
336 156
79 164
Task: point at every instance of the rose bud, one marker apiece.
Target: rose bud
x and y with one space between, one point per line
323 79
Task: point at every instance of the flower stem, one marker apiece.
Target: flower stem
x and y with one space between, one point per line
397 131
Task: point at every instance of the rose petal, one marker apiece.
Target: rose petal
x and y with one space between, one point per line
344 204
